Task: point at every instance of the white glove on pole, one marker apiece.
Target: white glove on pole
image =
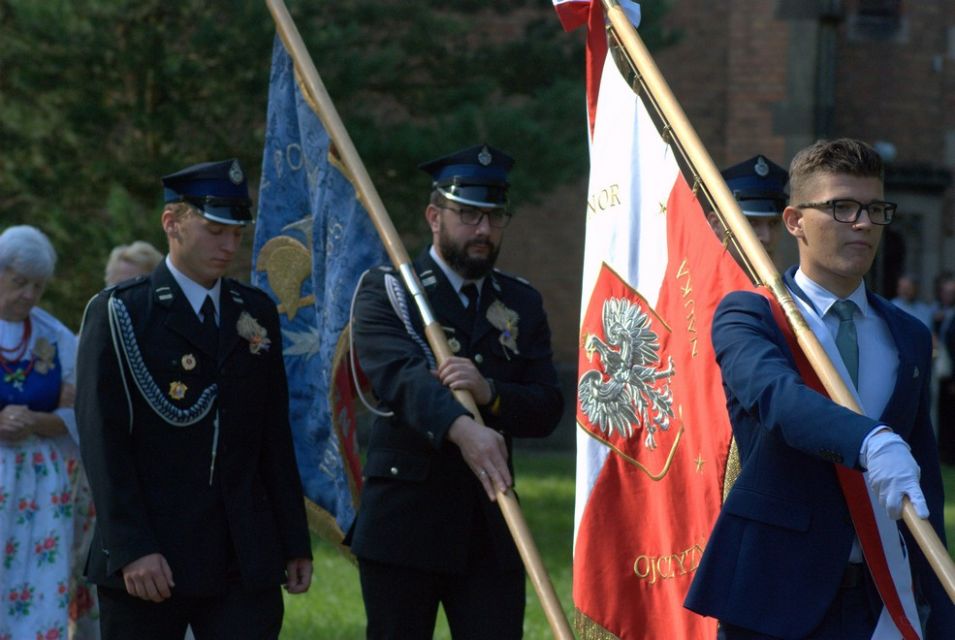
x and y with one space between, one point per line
892 472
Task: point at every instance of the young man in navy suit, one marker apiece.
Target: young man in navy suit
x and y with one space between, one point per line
784 560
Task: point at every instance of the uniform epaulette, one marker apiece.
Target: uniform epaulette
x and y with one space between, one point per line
232 282
511 276
128 284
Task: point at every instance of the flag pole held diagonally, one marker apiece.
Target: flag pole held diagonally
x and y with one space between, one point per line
758 262
369 197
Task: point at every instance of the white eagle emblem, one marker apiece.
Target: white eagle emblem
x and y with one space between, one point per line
631 390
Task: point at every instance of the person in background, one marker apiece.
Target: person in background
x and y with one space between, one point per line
759 185
130 260
944 367
427 531
907 299
38 449
182 407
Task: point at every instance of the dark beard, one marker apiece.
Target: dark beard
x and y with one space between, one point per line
463 264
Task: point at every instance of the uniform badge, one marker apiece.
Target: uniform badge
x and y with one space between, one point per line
761 168
250 329
454 345
44 353
188 362
235 173
485 157
504 320
177 390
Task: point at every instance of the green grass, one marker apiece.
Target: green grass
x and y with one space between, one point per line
332 609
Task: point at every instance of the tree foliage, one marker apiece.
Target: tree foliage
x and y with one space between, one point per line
98 98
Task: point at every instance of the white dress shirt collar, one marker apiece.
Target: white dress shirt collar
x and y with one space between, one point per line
195 293
823 299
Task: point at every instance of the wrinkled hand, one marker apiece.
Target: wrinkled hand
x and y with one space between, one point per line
16 422
893 473
299 572
460 373
484 451
149 578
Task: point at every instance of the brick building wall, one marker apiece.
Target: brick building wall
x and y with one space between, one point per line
770 77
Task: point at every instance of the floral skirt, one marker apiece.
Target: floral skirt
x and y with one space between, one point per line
36 530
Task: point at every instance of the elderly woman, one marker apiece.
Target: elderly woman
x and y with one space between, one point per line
37 450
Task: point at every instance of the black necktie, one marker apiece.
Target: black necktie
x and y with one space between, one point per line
209 326
470 290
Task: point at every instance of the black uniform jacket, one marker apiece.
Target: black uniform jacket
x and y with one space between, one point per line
421 505
150 479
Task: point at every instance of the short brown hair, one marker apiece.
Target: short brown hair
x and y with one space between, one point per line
180 210
842 156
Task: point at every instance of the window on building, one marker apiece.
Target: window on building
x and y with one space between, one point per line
878 20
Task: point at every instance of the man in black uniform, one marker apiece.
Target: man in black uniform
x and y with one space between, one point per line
182 409
428 530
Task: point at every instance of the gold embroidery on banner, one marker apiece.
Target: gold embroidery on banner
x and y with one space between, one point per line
639 465
587 629
287 263
666 567
604 199
732 468
689 303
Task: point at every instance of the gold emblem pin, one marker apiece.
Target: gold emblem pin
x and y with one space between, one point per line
188 362
177 390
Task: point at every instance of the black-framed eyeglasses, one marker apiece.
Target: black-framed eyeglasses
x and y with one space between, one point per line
497 218
848 210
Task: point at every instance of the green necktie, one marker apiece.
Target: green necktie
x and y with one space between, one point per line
846 339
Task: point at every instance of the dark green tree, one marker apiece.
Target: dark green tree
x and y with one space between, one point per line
100 97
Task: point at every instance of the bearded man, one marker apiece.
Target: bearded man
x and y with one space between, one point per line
428 531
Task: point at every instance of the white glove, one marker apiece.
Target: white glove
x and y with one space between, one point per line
892 473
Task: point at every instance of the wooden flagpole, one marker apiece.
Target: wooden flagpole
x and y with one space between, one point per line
368 196
758 261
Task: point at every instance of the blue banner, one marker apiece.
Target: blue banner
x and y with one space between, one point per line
313 240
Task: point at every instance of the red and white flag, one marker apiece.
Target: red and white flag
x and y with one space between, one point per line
653 434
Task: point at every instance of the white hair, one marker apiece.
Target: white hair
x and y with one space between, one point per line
27 251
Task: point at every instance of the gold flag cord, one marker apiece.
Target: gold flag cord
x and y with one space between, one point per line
705 175
368 196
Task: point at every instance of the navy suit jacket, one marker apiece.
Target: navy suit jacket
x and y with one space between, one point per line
779 548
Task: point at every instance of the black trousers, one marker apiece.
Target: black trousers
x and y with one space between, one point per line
237 615
402 603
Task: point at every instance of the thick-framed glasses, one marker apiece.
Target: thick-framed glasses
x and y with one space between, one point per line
848 210
497 218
